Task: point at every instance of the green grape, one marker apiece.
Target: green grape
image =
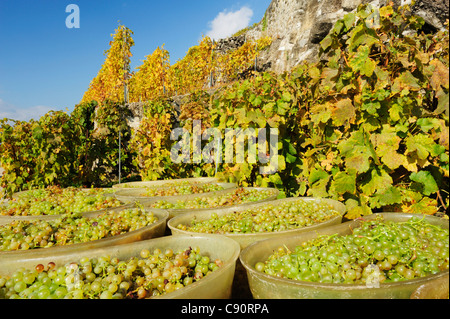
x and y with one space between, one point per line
385 250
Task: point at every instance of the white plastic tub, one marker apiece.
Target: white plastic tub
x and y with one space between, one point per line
264 286
216 285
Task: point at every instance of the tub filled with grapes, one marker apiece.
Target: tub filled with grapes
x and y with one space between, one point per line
171 189
252 223
76 231
167 267
385 255
216 200
165 182
55 200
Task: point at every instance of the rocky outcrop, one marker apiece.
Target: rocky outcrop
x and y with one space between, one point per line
298 26
231 43
433 12
137 113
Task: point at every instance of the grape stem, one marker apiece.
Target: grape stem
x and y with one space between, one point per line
414 256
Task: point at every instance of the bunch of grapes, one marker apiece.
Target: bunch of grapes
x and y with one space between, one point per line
54 200
272 217
150 274
379 251
71 229
182 188
236 197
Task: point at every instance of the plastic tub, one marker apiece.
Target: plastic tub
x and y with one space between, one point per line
138 194
264 286
433 289
86 190
216 285
154 230
246 239
241 287
143 184
5 219
177 212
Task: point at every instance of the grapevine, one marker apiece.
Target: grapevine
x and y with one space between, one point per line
366 125
109 82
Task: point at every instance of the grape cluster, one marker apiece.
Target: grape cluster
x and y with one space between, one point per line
236 197
54 200
379 251
182 188
71 229
150 274
273 217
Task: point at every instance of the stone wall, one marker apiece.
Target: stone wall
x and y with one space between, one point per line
298 26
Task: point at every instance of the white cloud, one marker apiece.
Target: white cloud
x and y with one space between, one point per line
227 23
10 111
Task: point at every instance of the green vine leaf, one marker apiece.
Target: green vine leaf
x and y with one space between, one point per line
386 144
343 112
390 196
377 182
421 144
344 182
406 81
429 185
357 154
360 61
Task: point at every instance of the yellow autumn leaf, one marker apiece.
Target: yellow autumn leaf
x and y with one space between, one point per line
358 211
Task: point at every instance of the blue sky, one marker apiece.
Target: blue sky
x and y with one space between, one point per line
46 66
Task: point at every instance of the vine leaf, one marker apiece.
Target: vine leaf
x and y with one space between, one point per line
426 205
377 182
405 81
361 62
321 113
429 185
390 196
342 112
443 103
255 117
358 211
426 123
421 144
357 154
440 75
386 145
318 181
344 182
